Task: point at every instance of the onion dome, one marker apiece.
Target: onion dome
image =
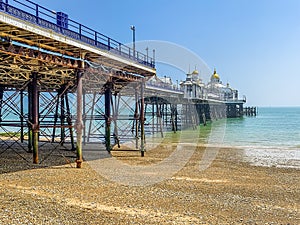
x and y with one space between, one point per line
195 72
215 76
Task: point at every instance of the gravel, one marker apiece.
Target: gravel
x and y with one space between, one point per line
230 191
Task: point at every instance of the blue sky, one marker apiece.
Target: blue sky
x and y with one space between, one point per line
253 44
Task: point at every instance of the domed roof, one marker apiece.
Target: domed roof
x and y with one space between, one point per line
215 75
195 72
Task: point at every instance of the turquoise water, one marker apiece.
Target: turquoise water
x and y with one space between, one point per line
271 128
272 138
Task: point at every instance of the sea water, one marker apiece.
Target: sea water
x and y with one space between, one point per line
272 138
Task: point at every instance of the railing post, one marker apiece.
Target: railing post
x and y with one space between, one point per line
96 38
6 3
1 5
80 31
37 13
108 43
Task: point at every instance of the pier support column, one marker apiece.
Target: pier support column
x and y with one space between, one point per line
69 121
79 125
22 115
107 99
115 106
29 122
1 101
142 118
62 116
136 117
35 118
85 137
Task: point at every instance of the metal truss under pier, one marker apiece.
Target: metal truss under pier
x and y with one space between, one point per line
54 75
64 86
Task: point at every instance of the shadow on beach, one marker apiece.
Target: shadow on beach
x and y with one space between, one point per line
16 158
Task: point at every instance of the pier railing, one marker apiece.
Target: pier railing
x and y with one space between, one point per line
166 87
60 23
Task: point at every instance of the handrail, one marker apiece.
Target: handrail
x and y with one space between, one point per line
43 17
164 87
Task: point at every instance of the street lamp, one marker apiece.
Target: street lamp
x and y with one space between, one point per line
132 27
147 49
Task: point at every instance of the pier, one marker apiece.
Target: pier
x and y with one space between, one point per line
250 111
63 85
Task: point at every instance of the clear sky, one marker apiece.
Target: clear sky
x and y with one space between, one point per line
253 44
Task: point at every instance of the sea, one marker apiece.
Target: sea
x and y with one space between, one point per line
272 138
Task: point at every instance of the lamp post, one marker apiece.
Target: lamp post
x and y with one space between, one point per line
147 54
132 27
153 55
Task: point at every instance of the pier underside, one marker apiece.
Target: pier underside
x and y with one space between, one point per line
49 101
59 92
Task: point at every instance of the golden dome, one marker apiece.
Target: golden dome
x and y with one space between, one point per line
215 75
195 72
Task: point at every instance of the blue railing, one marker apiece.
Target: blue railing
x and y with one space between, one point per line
60 23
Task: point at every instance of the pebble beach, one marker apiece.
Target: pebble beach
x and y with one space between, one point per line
229 191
